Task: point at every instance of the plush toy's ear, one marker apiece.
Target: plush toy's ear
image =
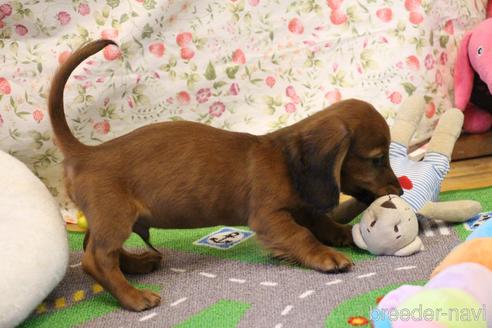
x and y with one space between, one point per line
463 75
357 236
489 9
412 248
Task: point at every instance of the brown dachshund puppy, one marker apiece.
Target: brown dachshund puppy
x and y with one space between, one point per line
189 175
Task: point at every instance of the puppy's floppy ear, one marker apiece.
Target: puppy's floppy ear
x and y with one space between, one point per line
315 161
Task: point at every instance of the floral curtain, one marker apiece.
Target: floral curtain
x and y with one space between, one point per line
242 65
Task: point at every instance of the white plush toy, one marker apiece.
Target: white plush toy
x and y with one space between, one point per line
390 226
33 242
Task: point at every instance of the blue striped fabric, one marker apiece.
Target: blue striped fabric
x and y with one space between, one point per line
426 175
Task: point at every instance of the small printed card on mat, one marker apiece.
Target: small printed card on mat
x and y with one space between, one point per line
475 221
224 238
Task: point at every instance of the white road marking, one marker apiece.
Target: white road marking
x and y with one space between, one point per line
268 283
208 275
443 229
367 275
239 281
410 267
278 325
75 265
177 270
148 316
181 300
334 282
428 233
287 310
427 227
306 293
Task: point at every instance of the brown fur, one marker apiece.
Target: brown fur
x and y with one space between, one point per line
188 175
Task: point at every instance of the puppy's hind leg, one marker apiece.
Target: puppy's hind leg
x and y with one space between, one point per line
110 226
139 263
144 262
134 263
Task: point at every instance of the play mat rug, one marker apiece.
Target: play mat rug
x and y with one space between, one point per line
219 277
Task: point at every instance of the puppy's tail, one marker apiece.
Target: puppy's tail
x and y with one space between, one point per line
64 137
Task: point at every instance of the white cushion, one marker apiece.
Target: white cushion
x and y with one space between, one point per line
33 242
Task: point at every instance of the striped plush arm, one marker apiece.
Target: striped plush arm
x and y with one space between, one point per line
421 181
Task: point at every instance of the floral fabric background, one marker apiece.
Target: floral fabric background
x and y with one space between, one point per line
242 65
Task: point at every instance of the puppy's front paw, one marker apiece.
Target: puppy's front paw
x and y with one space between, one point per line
141 300
329 260
339 235
343 236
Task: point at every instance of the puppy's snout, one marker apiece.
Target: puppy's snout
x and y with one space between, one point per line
396 190
392 187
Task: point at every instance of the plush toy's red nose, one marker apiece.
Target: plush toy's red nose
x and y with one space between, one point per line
405 182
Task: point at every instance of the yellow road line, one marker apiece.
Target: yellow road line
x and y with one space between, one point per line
96 288
60 303
42 308
78 296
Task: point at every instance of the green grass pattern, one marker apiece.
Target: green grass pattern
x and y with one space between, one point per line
182 240
223 314
227 313
250 251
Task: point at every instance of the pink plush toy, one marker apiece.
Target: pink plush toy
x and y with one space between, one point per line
475 56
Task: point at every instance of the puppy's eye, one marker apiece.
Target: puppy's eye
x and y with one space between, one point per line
480 51
378 161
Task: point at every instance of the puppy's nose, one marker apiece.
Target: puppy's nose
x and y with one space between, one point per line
393 190
398 190
395 187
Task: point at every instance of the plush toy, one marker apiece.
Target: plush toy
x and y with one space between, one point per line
459 283
458 288
421 183
388 227
436 307
473 77
476 249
